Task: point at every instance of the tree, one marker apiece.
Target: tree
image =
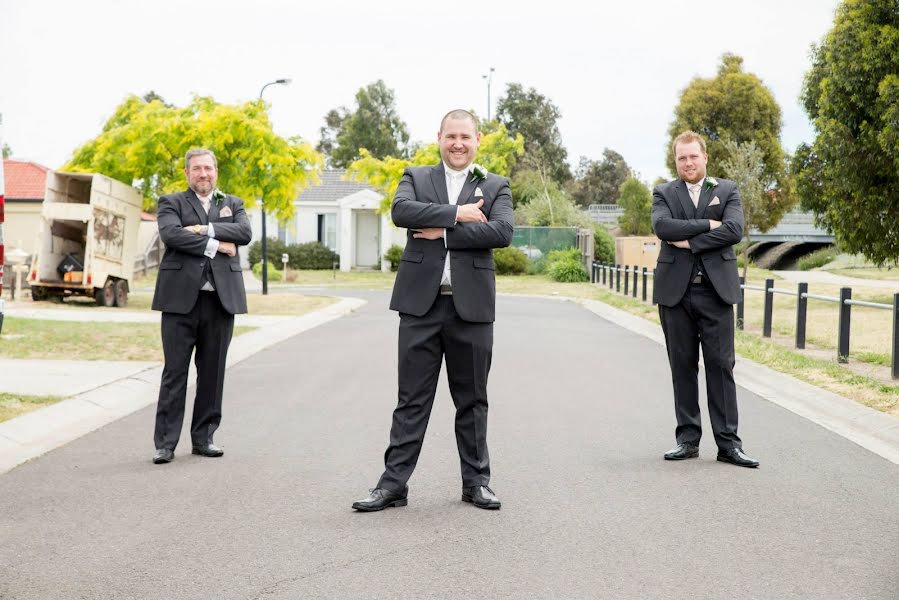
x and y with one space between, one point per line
374 126
497 153
144 143
597 182
849 175
535 117
636 200
7 151
545 203
735 106
746 166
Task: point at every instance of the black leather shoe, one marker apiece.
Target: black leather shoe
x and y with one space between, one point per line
210 450
162 456
682 452
735 456
379 499
481 496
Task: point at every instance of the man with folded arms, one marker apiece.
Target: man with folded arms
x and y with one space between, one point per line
445 292
696 285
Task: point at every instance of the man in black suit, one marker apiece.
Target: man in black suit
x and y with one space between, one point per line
445 292
696 285
199 290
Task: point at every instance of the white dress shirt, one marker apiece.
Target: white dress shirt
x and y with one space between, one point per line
455 180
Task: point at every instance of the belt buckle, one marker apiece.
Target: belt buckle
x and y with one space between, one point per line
697 279
446 290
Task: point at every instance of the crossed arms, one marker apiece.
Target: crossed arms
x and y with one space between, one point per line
227 236
463 226
698 235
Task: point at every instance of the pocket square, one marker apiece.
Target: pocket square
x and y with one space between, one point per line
715 201
226 212
478 193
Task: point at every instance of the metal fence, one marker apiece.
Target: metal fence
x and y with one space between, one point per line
611 275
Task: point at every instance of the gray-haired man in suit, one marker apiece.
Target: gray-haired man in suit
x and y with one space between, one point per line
199 289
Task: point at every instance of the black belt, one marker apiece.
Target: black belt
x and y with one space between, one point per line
446 290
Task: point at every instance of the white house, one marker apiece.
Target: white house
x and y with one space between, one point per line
341 214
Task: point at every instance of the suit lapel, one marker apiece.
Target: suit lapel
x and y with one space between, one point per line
705 196
438 178
465 196
684 197
213 210
197 206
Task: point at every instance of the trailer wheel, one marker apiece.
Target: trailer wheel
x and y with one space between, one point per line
39 293
105 296
121 293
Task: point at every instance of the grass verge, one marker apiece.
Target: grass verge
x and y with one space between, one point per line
13 405
66 340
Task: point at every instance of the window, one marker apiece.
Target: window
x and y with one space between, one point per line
327 230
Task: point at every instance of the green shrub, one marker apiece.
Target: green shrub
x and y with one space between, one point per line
603 244
273 273
537 267
311 255
568 270
816 259
562 255
510 261
393 255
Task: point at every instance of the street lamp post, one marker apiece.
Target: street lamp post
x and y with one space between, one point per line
262 206
489 78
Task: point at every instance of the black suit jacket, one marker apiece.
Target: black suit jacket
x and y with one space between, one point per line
674 218
421 201
181 270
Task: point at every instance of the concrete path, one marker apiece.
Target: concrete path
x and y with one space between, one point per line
580 414
840 280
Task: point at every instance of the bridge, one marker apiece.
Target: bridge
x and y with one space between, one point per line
795 226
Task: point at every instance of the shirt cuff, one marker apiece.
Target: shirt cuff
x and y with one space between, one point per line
444 238
210 231
212 246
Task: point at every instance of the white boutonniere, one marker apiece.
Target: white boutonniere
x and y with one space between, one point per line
710 182
478 173
217 196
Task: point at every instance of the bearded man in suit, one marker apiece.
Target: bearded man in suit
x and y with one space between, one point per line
445 292
696 285
199 289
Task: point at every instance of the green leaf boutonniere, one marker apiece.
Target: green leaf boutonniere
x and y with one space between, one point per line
710 182
478 173
218 195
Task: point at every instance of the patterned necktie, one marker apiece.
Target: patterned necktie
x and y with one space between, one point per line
205 202
694 195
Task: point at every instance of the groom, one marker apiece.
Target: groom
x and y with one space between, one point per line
445 292
696 286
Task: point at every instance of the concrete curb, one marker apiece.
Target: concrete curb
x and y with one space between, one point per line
38 432
873 430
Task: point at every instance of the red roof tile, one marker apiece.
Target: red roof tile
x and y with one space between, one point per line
24 180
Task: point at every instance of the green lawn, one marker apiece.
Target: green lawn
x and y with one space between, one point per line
13 405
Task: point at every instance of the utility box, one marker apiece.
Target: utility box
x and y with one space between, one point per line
642 251
87 238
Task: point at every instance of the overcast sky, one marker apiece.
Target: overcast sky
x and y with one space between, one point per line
614 69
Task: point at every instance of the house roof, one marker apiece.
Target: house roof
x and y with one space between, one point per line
24 180
332 188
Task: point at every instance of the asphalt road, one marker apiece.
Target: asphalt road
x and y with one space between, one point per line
580 415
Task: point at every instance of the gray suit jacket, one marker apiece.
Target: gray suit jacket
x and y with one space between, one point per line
421 201
181 270
674 218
